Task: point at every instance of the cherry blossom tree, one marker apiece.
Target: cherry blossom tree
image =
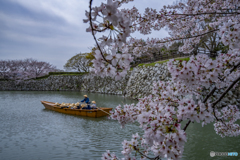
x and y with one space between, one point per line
198 88
24 69
4 69
10 69
39 68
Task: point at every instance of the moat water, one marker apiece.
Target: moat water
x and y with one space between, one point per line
30 132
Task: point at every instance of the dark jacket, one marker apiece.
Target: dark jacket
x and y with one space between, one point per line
86 99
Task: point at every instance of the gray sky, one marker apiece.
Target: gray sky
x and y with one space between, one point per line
52 30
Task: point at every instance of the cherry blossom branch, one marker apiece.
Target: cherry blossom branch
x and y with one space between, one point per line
186 15
101 30
184 27
215 115
203 14
90 20
137 150
225 92
218 118
209 94
235 67
189 37
214 103
187 125
208 3
213 90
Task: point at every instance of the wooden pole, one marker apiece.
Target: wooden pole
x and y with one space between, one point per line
104 111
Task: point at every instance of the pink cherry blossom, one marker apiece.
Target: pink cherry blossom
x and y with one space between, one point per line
197 89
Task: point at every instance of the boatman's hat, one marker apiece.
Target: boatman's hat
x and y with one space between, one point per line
93 102
85 95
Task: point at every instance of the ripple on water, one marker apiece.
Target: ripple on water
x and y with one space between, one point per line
33 132
28 131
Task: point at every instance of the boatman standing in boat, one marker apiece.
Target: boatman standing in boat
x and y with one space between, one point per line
86 100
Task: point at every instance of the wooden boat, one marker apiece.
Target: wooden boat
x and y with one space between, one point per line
80 112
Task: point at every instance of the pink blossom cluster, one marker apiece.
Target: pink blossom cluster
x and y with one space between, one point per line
230 115
119 61
113 19
109 155
184 20
184 97
200 70
160 115
230 34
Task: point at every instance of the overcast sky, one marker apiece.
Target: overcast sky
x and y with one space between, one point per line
52 30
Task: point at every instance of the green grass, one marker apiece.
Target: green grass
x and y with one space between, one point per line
183 59
61 74
161 62
67 73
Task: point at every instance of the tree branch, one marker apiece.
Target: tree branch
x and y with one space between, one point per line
219 99
225 92
187 125
90 19
209 94
189 36
204 13
137 150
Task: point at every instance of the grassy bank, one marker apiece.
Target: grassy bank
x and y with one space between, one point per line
161 62
61 74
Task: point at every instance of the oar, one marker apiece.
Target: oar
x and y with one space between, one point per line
103 111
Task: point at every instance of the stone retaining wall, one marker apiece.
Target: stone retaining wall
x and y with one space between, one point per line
137 83
52 83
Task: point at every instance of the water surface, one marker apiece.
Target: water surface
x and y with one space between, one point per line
30 132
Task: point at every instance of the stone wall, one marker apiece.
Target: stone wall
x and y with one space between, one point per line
52 83
142 78
137 83
105 85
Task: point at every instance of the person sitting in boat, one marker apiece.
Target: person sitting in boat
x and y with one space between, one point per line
94 106
86 100
77 105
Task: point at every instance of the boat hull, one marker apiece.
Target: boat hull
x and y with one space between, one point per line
79 112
